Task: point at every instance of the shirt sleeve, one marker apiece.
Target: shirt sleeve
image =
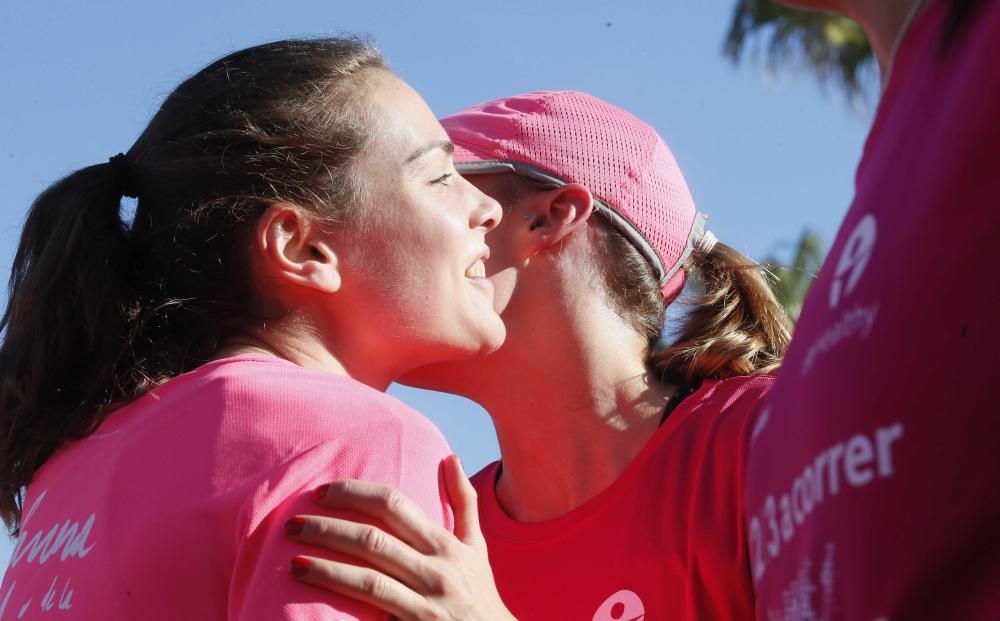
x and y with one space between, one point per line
719 577
383 452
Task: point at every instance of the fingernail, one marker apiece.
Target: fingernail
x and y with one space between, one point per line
294 526
320 492
300 566
458 460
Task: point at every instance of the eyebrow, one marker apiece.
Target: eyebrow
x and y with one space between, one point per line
445 145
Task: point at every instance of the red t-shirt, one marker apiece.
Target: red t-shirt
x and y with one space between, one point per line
874 477
666 540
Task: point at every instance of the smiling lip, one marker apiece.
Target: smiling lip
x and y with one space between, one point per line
477 269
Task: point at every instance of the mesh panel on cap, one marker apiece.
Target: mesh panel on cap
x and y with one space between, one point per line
582 139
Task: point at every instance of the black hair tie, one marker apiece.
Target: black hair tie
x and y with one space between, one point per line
124 178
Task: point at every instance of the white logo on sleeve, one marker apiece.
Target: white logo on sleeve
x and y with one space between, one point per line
854 259
858 319
622 606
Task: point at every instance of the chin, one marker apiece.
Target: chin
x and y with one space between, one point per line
494 338
479 337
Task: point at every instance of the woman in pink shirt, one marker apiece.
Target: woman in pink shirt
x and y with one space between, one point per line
172 386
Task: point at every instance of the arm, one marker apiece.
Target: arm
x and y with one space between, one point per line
420 572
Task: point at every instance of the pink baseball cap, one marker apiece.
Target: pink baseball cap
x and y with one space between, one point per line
562 137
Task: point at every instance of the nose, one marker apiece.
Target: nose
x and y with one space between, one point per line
487 213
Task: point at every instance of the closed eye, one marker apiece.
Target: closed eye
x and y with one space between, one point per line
443 179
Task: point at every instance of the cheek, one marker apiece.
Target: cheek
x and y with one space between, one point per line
415 261
503 265
417 251
504 282
428 244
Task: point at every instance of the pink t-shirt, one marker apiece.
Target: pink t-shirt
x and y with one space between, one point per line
664 541
175 507
874 475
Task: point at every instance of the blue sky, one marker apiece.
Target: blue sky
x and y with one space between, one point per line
764 156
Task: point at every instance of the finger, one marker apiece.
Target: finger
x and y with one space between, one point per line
368 543
403 517
362 584
463 500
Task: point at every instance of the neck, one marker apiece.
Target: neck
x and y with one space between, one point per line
577 408
290 340
886 23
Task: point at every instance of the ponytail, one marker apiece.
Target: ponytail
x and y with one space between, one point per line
737 327
65 315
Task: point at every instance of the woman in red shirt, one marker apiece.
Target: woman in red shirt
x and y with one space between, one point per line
619 489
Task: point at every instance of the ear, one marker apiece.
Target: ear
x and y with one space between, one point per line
557 214
295 249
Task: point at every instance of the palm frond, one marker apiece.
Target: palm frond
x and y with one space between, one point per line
791 280
832 47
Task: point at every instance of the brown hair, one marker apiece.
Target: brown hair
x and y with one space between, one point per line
736 327
101 311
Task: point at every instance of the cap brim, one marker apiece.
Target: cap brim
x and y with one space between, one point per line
471 162
464 155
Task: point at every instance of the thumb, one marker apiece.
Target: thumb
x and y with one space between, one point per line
462 497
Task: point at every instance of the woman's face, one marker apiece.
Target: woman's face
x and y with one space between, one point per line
413 262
